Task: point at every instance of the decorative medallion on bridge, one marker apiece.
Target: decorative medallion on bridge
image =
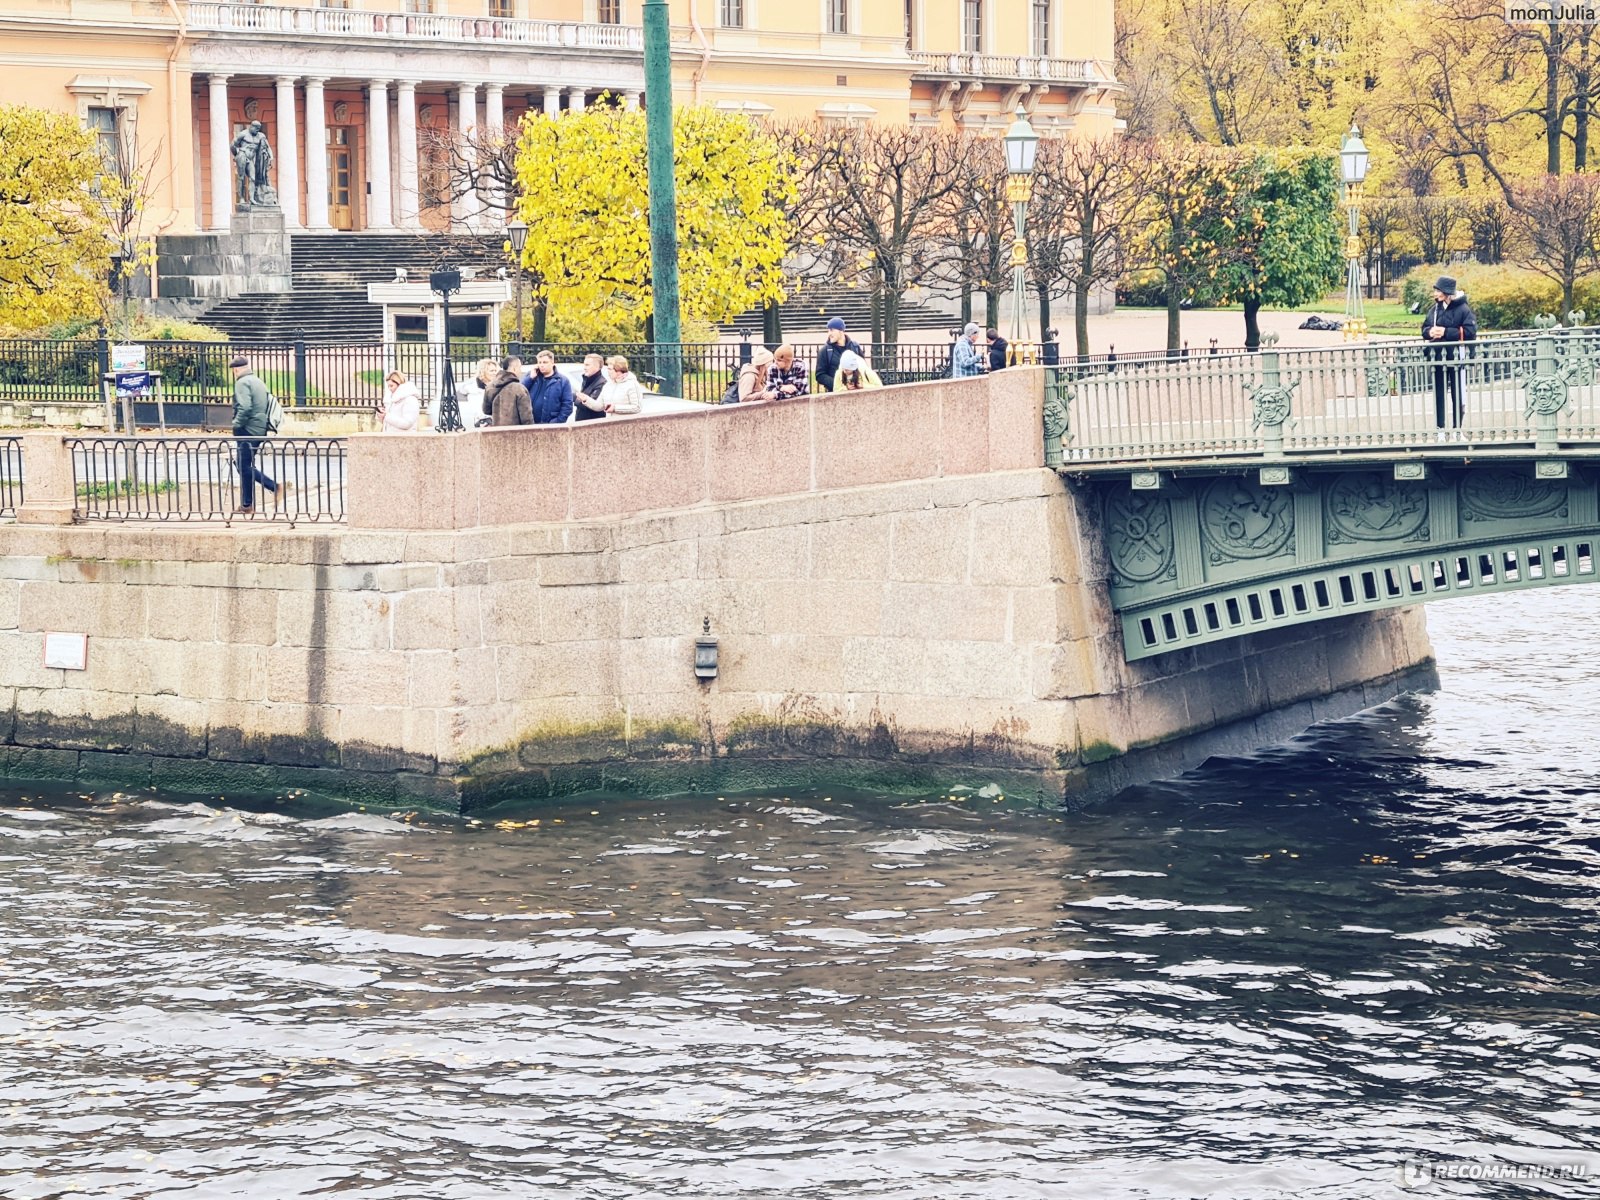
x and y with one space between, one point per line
1548 393
1506 495
1240 519
1272 402
1057 397
1139 537
1368 507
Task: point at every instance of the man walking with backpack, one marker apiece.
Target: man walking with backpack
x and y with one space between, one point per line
252 411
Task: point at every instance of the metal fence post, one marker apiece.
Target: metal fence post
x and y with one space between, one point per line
301 391
105 354
744 347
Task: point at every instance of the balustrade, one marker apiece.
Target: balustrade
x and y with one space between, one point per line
205 16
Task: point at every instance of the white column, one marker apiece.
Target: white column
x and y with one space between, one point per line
630 101
380 205
222 183
288 154
494 107
410 210
494 122
466 207
316 155
552 101
575 100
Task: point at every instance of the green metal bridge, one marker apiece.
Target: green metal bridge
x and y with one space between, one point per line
1248 491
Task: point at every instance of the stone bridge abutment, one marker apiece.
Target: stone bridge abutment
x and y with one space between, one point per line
902 597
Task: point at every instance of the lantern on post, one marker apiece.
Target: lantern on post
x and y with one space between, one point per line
517 235
1353 160
1022 149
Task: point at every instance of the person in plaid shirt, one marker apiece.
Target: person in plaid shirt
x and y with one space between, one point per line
786 376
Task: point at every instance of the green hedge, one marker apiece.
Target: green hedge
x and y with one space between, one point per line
1503 297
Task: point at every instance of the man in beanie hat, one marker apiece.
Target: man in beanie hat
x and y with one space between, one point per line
968 359
1449 323
832 351
251 405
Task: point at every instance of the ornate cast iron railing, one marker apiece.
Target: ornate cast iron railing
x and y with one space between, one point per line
1535 389
197 479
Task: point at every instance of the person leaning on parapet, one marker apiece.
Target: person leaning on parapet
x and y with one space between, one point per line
753 382
549 392
623 394
785 376
832 350
251 404
586 400
967 360
506 398
1449 323
855 375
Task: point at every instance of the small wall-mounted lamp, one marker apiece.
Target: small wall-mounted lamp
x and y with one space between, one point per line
705 653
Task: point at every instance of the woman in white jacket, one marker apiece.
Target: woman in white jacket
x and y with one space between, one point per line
623 394
401 404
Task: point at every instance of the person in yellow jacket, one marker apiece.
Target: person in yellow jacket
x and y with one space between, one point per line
854 374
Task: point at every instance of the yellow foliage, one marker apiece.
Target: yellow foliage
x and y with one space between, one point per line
585 198
55 247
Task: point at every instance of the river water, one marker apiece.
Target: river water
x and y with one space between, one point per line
1298 974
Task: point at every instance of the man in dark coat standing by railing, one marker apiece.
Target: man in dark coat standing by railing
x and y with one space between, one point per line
1448 324
251 405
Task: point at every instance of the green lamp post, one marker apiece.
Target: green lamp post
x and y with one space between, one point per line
663 196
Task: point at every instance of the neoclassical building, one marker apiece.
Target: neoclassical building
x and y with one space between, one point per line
352 93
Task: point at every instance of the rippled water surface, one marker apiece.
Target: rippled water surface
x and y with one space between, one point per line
1282 976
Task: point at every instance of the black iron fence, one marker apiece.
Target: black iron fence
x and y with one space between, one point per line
10 476
197 479
335 375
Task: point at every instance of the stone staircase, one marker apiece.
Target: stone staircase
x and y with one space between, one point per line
811 305
331 273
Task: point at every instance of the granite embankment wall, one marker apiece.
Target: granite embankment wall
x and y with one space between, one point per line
901 596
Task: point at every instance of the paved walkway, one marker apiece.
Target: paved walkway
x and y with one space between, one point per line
1135 329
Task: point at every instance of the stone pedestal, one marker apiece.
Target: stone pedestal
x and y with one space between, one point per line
199 268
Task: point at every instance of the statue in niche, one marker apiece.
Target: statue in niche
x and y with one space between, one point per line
252 160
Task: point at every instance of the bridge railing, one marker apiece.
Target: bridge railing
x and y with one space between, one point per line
196 479
1513 389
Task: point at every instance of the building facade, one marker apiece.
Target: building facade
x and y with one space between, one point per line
359 98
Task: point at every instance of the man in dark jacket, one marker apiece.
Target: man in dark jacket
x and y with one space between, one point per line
505 399
832 351
549 392
251 402
586 400
1449 323
998 351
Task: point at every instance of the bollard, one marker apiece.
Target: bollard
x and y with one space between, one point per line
301 388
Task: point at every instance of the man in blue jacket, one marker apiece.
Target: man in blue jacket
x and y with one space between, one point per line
549 392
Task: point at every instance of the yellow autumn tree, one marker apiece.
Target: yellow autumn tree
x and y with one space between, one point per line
55 248
585 197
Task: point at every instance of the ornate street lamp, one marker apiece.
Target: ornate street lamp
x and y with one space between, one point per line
517 235
1022 148
446 283
1353 158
